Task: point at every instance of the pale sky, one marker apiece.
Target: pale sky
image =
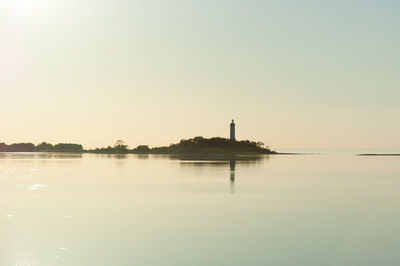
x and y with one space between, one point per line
293 74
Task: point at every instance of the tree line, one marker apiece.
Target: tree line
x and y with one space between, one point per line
42 147
197 145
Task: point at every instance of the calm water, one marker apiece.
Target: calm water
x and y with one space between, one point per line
281 210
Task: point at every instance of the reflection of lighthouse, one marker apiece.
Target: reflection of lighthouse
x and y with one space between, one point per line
232 130
232 167
232 164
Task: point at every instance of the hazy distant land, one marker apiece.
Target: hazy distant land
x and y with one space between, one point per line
380 154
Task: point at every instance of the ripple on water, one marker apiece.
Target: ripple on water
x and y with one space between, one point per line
36 187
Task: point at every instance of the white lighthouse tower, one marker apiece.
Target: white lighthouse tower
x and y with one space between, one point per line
232 130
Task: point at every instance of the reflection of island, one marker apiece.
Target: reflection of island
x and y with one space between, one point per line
226 163
42 156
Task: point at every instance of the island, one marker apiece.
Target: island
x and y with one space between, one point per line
197 146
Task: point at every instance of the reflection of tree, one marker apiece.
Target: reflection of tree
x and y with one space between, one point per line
195 161
143 156
118 156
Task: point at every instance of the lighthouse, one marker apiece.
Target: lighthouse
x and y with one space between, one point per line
232 130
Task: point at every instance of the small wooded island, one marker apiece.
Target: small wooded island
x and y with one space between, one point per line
194 146
197 146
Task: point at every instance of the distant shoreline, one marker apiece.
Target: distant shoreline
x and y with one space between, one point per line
197 145
242 155
379 154
200 155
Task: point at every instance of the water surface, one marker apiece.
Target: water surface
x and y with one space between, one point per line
333 209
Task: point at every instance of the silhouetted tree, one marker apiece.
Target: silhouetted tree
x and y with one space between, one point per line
44 146
120 147
68 147
21 147
141 149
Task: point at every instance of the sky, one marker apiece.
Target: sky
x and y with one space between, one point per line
293 74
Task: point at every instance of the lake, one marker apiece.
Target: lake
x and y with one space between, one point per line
302 210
